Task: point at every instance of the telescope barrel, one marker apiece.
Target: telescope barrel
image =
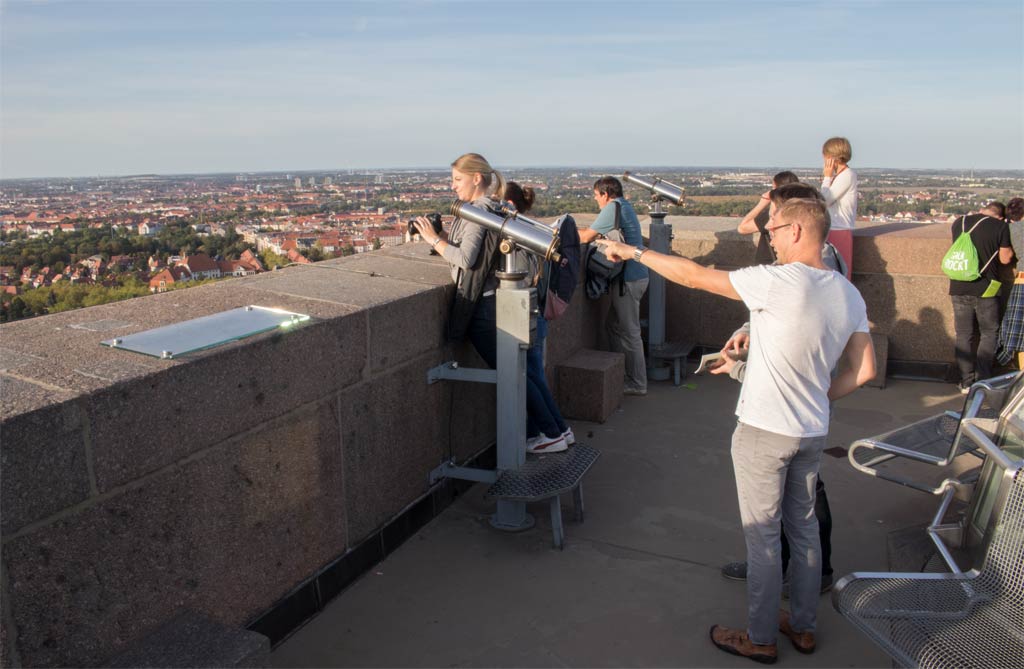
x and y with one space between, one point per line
528 234
661 188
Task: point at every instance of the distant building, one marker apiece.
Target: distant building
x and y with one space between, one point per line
201 266
167 277
298 183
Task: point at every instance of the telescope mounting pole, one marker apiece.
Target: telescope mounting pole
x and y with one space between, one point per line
660 236
516 321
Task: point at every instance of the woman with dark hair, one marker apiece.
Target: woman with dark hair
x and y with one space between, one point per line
1011 333
543 419
756 219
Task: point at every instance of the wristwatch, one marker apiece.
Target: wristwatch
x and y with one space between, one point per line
637 253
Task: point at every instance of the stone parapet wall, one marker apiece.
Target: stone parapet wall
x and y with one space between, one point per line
133 487
895 266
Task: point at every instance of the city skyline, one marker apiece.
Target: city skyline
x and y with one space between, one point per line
94 88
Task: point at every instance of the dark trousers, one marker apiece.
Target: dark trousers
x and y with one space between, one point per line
968 310
824 516
483 333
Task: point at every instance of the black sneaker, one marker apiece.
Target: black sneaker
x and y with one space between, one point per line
737 571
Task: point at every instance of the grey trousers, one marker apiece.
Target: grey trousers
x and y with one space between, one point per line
775 479
623 326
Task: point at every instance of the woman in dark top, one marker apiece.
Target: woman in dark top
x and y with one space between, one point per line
757 218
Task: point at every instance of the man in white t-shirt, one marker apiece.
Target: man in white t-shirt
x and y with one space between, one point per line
804 319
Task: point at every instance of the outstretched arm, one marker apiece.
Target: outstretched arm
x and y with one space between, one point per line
857 365
676 269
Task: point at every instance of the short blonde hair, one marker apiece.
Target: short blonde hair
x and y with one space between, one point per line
838 148
810 214
474 163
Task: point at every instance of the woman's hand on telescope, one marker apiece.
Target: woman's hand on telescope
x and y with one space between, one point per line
615 251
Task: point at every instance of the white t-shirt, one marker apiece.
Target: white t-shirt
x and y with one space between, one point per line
801 319
840 193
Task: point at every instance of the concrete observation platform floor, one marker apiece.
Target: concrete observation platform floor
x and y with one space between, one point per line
638 584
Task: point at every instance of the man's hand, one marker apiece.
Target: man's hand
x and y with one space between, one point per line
616 251
725 365
737 345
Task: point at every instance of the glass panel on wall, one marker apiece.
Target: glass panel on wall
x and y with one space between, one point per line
207 331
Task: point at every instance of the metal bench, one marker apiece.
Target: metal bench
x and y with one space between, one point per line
958 619
973 619
675 352
547 477
934 441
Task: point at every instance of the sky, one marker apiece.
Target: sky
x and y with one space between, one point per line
143 86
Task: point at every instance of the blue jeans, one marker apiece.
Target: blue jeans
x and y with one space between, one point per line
966 310
541 411
542 414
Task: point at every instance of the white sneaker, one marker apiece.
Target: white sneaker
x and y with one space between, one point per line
543 444
569 437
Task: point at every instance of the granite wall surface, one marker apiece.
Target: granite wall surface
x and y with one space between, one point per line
132 488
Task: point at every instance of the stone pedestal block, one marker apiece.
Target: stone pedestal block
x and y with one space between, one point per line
590 384
881 344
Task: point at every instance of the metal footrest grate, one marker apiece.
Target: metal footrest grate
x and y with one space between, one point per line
545 476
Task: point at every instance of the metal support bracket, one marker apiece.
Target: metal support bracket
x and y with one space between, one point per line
451 470
450 371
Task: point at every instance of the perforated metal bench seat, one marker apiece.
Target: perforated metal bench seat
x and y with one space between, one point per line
547 477
948 620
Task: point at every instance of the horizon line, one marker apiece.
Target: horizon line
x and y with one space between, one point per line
509 167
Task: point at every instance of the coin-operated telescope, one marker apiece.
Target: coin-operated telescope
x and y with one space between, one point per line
661 189
660 236
528 234
515 305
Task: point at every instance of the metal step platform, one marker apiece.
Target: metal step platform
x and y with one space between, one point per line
547 477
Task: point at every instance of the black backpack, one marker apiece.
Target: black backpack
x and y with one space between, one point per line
558 280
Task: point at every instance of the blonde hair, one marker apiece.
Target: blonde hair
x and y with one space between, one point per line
838 148
810 214
474 163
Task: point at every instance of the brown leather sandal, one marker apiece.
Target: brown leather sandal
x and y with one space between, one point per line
737 642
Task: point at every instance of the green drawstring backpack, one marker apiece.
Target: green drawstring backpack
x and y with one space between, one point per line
961 260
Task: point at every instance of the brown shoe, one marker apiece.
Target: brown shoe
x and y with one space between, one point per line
737 643
802 641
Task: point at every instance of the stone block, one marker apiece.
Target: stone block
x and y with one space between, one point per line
406 328
881 345
193 640
226 534
43 464
217 394
395 431
590 384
